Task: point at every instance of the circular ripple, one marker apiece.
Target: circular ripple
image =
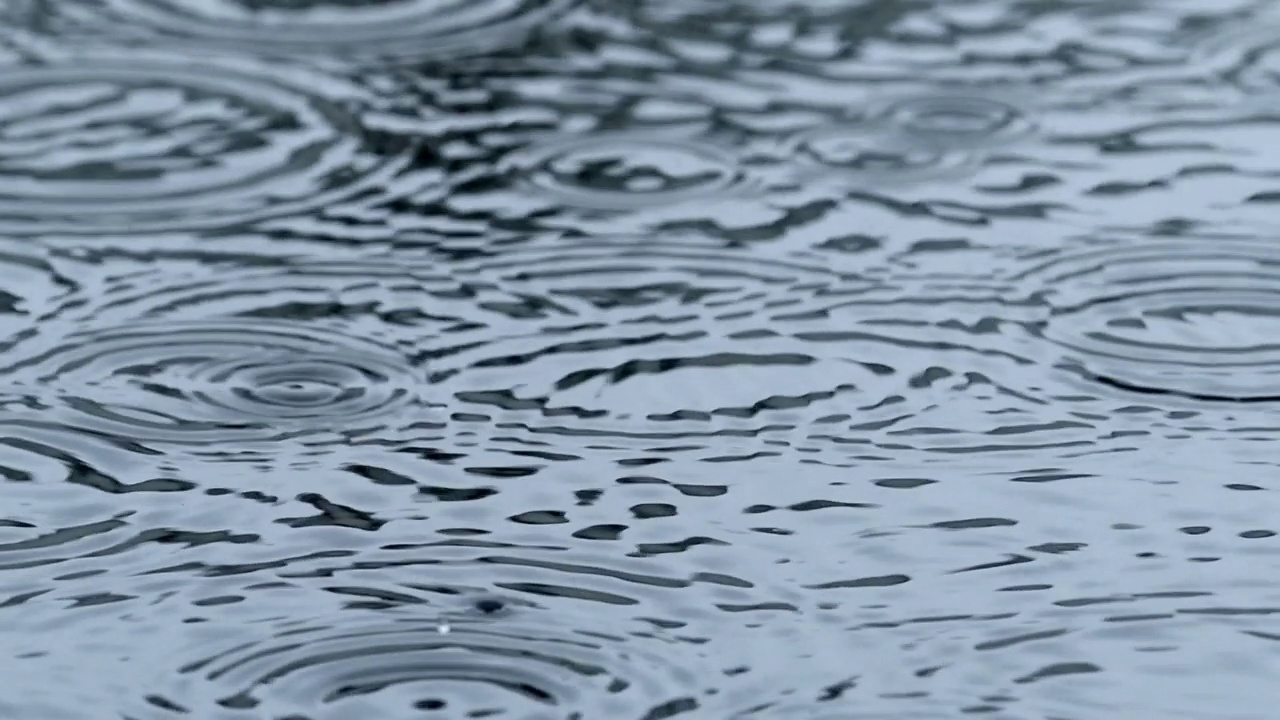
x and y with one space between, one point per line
627 170
279 386
853 154
1200 321
234 379
146 144
382 29
662 338
957 120
458 665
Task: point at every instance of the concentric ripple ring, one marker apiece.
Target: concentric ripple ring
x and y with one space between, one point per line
957 120
621 170
147 143
463 667
855 155
1199 321
219 379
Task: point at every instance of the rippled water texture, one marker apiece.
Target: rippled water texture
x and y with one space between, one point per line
378 31
634 360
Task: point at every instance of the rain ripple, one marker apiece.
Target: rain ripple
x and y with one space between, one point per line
140 143
644 327
746 166
465 666
1188 319
624 177
621 170
864 160
214 381
318 29
932 135
411 626
196 348
958 118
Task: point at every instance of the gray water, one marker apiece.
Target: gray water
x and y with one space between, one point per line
639 359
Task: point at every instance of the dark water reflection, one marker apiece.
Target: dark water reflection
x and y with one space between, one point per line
590 359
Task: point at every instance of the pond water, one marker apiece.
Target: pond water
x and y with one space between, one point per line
639 359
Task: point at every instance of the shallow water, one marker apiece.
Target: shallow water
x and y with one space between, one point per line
578 359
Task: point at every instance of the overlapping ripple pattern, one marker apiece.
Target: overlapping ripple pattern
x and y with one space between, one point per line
132 142
383 30
639 359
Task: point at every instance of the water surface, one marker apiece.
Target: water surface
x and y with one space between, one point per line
575 359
